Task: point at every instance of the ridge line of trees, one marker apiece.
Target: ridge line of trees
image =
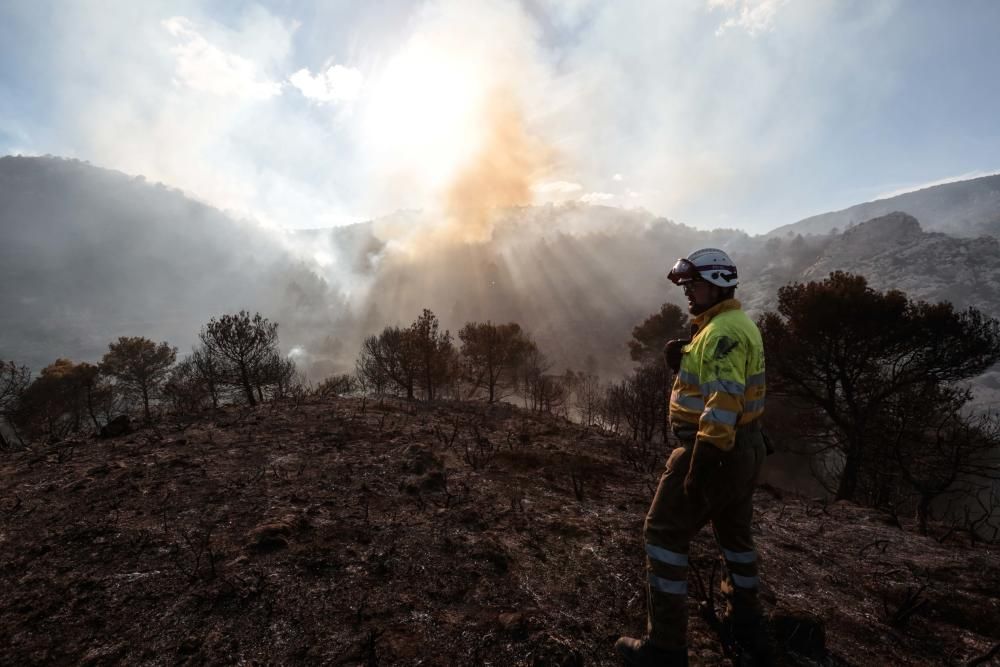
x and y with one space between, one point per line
238 360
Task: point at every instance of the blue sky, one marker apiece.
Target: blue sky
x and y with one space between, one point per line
736 113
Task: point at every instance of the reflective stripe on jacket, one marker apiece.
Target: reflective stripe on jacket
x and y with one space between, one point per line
720 384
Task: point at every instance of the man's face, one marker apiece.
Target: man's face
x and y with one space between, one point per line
700 295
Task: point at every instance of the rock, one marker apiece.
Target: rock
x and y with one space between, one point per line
434 480
494 553
800 631
470 518
554 651
103 655
273 535
418 460
120 425
512 622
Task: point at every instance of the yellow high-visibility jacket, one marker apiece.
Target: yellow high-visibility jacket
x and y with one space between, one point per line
720 384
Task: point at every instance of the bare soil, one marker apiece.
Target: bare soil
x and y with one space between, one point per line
343 531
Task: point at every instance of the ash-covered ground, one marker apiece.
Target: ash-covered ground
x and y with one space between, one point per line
349 531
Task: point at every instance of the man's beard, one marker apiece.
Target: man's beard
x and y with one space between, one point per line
695 309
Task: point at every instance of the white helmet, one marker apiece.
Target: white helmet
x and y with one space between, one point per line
709 264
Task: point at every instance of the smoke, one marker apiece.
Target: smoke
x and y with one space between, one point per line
502 174
447 127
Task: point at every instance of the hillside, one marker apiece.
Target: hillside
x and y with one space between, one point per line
340 531
87 255
968 208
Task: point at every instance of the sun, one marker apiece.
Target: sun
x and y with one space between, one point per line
425 112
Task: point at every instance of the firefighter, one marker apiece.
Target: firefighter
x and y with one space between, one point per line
715 408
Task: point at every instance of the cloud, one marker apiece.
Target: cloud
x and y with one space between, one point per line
753 16
597 197
452 121
203 66
403 117
336 84
557 187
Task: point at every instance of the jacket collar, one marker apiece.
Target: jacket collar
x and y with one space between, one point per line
701 320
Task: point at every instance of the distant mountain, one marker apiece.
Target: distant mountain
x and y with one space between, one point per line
966 208
894 252
577 277
87 255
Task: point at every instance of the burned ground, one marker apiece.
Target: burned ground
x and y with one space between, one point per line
342 531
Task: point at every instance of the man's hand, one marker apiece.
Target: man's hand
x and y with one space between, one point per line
673 353
705 460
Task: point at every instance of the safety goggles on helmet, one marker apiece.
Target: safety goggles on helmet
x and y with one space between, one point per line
684 271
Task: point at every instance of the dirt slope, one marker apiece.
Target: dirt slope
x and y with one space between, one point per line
338 531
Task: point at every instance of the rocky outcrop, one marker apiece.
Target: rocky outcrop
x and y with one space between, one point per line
892 252
967 208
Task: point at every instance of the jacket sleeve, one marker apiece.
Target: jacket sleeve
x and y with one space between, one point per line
723 387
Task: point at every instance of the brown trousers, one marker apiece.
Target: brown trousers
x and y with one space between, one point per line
671 523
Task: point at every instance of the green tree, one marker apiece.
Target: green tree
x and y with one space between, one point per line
851 352
244 344
139 367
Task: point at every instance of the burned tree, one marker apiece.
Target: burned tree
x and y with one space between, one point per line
936 450
434 353
648 391
850 352
388 360
139 367
185 389
57 402
542 390
210 370
14 380
649 338
639 402
585 393
275 377
491 354
243 343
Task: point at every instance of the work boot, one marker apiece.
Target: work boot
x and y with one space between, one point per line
642 653
751 643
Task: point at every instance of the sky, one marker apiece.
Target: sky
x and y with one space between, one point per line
747 114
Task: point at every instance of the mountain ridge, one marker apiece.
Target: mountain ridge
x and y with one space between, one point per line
118 256
963 208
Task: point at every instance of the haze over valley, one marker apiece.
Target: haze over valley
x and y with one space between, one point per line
342 333
89 254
